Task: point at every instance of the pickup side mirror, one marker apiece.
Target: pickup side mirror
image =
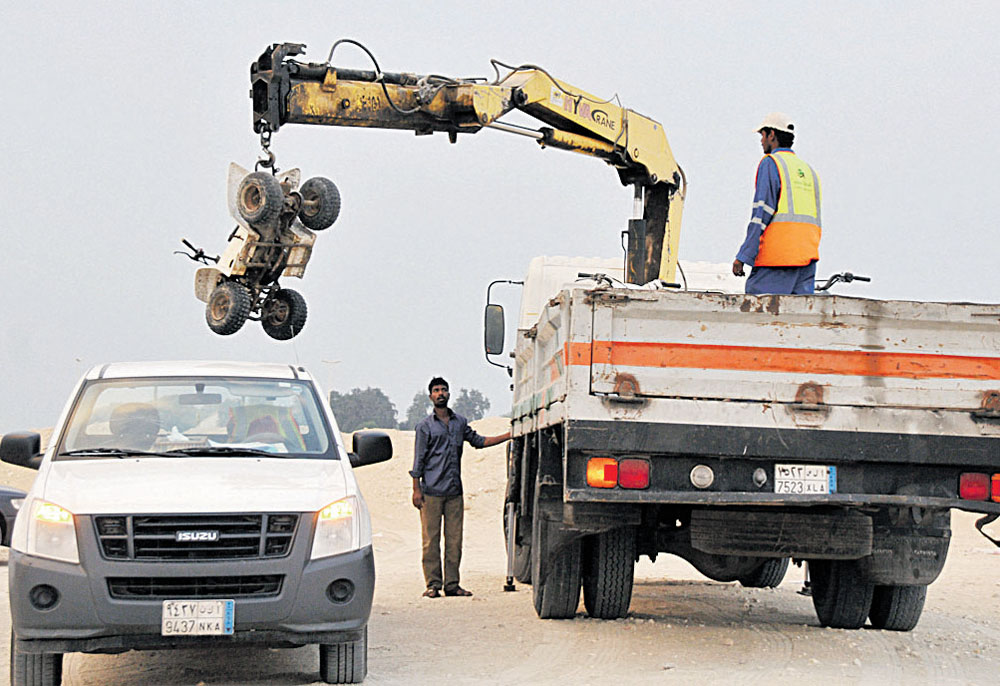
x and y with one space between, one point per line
23 448
493 329
370 447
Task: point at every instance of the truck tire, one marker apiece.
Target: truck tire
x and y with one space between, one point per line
259 199
34 669
897 608
344 663
556 590
320 203
228 307
768 575
608 570
840 594
522 549
284 314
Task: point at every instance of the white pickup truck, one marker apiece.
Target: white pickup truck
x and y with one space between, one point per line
181 504
741 431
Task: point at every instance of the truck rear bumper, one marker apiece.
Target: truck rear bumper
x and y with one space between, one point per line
872 469
590 495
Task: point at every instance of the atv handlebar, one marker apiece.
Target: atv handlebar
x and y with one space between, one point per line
846 277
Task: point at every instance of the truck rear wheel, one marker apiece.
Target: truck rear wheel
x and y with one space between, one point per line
768 575
228 307
556 588
608 570
841 596
344 663
897 608
34 669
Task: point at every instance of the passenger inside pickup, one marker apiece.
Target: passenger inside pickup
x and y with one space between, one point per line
134 426
265 424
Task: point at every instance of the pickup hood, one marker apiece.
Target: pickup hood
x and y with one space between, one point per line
193 485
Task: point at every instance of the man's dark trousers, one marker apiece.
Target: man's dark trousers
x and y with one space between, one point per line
452 509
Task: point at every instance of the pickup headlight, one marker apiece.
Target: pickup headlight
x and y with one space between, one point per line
51 532
341 526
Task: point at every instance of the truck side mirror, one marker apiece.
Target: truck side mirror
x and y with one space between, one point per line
493 329
370 447
23 449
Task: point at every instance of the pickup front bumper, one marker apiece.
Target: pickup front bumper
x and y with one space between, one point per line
87 617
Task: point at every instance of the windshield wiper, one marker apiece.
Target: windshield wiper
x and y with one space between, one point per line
220 450
111 452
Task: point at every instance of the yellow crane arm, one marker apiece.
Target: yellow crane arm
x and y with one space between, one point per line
285 91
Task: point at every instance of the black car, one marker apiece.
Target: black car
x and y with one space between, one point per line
10 502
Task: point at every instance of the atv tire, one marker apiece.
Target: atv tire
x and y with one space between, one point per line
284 315
228 307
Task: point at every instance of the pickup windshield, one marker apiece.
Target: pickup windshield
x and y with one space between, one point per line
185 417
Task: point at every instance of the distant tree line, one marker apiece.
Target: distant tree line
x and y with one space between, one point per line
370 408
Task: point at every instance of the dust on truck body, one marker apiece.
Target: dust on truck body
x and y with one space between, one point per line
741 431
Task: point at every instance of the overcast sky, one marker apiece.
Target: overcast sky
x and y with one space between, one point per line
119 121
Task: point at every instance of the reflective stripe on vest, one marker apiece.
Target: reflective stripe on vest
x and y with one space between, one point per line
792 237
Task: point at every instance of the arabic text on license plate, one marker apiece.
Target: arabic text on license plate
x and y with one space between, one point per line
804 479
197 617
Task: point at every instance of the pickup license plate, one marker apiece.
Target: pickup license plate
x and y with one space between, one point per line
804 479
197 617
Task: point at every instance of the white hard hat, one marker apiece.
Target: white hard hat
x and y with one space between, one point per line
779 121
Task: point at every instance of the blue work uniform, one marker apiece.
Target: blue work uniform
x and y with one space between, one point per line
763 280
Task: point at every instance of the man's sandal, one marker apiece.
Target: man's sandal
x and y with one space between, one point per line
432 593
457 591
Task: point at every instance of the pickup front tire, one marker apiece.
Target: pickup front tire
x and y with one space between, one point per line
841 595
344 663
34 669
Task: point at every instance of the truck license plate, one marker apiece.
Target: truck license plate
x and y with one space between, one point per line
804 479
197 617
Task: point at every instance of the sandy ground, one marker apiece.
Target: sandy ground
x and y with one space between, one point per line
682 628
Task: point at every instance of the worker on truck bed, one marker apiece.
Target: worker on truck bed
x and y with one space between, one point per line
437 488
782 243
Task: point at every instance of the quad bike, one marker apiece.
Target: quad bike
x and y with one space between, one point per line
273 238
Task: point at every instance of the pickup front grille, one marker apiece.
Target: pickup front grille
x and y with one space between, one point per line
167 587
195 537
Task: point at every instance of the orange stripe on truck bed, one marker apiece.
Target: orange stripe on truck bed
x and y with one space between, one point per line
759 359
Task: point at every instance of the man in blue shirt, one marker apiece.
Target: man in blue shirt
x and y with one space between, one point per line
782 238
437 488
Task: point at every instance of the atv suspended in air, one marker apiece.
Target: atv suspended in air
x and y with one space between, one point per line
273 238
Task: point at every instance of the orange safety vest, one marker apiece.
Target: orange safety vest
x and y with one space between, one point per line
792 237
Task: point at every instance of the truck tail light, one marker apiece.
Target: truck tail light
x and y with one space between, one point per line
633 473
974 486
602 472
995 489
